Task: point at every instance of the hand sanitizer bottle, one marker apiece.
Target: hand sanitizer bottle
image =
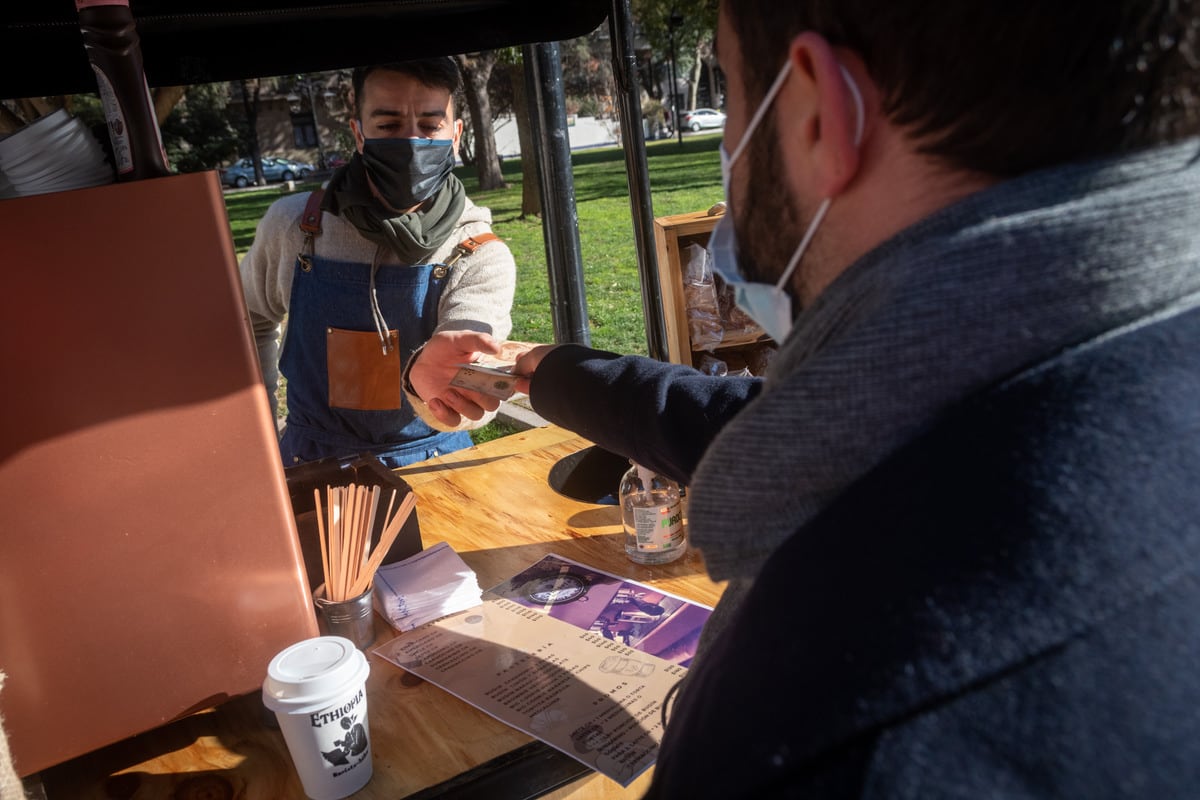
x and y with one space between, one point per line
653 516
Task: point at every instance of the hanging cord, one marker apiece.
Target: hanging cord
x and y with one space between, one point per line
464 248
668 703
381 326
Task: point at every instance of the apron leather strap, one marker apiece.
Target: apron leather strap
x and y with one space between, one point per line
469 245
310 220
310 223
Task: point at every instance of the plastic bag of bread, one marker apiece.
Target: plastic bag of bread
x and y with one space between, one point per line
736 326
700 299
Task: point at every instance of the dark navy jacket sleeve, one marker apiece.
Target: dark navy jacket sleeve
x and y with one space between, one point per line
661 415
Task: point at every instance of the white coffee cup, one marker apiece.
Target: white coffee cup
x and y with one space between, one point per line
318 691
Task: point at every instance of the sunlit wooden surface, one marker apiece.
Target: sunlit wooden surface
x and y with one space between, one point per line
494 506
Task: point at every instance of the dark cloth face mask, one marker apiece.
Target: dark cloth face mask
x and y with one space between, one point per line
407 172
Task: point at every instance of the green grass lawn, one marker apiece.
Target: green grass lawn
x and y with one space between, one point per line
682 178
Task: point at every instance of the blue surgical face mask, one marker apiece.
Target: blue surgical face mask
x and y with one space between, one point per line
407 172
769 305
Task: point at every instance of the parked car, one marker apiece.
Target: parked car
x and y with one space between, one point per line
697 118
300 169
335 160
274 169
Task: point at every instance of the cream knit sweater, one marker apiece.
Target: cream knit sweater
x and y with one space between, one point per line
478 294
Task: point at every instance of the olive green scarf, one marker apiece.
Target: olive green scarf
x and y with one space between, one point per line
415 236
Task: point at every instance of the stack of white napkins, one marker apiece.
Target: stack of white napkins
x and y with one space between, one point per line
425 587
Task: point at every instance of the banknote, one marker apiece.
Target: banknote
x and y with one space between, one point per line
494 381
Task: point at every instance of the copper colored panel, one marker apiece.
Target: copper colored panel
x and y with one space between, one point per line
150 562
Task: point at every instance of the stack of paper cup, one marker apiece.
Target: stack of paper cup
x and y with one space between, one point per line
53 153
318 691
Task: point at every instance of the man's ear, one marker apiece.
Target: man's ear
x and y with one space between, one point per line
356 131
458 132
819 116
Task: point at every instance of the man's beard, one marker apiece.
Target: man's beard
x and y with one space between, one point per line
768 231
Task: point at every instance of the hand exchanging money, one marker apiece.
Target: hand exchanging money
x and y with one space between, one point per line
458 373
526 357
505 374
436 365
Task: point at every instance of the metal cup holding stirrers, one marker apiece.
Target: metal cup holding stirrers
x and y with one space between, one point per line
343 601
351 618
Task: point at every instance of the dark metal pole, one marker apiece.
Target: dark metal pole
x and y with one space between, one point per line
560 217
629 107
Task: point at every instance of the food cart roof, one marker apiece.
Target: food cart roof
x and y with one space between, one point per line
183 43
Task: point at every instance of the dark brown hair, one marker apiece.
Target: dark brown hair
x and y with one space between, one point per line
441 72
1004 86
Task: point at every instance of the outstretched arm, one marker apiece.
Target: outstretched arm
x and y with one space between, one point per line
663 416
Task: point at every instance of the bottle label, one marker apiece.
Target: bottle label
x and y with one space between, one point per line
659 528
118 131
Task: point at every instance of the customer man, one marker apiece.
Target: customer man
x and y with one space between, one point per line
365 272
959 519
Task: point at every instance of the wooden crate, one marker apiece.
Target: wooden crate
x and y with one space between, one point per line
672 235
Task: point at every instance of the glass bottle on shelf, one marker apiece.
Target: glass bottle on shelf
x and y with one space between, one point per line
111 40
652 514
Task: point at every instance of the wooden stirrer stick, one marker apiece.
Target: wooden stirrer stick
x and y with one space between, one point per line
385 543
332 591
321 531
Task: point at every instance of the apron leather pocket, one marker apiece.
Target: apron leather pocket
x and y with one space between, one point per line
361 377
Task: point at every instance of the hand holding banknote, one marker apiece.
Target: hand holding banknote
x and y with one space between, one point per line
526 357
436 365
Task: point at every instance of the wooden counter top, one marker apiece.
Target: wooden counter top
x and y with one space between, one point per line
494 506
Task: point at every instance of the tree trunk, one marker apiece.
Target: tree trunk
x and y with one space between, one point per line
714 85
250 106
477 71
165 100
694 79
531 189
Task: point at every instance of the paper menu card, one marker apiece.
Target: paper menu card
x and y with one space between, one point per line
582 686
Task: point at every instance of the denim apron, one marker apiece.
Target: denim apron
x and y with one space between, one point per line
330 295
